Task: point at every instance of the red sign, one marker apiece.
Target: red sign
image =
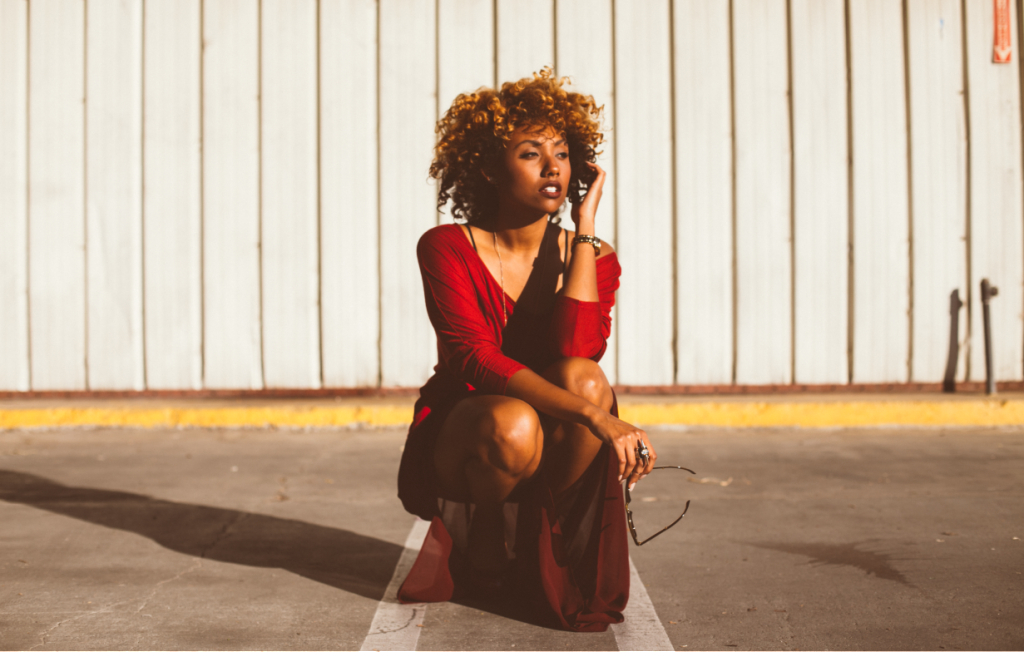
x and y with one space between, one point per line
1001 49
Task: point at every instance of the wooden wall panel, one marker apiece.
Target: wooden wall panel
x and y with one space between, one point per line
14 365
57 194
113 190
526 37
996 203
172 198
584 39
643 122
938 183
821 197
704 200
763 201
349 252
407 198
289 192
231 210
465 48
880 193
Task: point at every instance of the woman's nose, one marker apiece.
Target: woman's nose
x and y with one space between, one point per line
551 169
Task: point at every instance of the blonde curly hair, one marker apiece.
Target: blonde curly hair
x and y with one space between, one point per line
474 131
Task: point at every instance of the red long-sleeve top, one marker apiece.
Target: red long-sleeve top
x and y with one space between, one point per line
464 305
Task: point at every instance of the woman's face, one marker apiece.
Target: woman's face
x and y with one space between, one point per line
537 169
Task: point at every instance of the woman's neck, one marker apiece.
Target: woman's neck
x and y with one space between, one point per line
518 232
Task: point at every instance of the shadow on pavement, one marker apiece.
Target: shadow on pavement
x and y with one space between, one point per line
842 554
338 558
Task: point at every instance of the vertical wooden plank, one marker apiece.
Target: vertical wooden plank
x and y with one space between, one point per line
465 48
14 365
584 53
820 191
289 187
350 292
408 106
526 33
644 164
704 173
56 143
172 204
113 190
763 209
880 194
996 202
938 182
231 210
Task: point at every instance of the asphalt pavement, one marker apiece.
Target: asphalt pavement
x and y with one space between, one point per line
879 538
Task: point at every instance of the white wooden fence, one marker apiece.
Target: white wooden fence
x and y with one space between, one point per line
227 193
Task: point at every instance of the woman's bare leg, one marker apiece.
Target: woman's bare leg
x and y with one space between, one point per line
571 447
486 448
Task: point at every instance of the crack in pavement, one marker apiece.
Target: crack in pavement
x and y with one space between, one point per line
107 609
398 629
196 563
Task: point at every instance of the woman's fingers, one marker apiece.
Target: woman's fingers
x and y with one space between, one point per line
652 456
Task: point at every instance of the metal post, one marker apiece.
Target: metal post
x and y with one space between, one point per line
987 292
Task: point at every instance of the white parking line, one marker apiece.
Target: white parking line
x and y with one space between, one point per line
642 629
395 626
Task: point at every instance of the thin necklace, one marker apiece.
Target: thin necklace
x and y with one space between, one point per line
501 276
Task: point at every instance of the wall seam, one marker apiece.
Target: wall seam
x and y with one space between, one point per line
142 189
319 199
380 267
732 131
674 190
28 192
851 302
85 184
792 193
615 181
259 187
910 192
202 193
968 188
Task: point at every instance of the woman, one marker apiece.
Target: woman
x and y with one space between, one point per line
516 452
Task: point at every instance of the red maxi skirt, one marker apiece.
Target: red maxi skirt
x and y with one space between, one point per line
569 557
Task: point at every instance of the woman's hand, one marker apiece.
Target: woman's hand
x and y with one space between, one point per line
584 213
624 439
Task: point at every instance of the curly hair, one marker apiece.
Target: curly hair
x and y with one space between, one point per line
473 133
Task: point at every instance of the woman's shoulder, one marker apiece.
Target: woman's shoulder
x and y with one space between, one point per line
441 244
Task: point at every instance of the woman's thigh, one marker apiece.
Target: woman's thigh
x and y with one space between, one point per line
486 447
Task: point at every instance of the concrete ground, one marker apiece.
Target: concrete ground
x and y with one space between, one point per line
278 539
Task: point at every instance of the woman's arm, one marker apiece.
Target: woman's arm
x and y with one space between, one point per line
550 399
580 280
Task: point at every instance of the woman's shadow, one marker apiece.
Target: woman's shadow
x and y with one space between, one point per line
338 558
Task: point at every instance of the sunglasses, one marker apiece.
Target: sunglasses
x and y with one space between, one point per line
629 514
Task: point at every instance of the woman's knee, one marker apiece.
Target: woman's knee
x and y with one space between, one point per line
582 377
512 438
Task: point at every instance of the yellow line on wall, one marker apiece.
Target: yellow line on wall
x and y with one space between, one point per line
732 414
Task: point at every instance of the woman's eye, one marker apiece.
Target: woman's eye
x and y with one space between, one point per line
528 155
563 155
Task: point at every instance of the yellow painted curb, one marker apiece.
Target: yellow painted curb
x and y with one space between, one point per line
288 417
735 414
982 412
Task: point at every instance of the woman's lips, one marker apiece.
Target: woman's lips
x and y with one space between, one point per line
551 190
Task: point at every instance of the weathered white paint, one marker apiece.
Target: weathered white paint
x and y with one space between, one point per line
996 204
231 209
763 202
14 367
820 191
641 629
172 199
703 159
289 190
526 34
643 124
113 193
349 253
56 143
584 40
938 182
407 199
880 201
